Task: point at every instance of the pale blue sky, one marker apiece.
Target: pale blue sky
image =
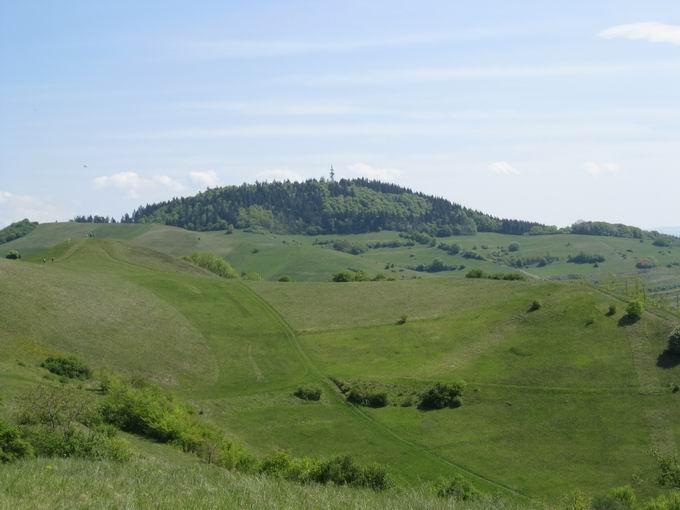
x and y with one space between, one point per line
550 111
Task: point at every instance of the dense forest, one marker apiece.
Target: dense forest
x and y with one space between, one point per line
325 207
16 230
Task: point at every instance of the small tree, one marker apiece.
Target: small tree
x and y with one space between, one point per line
13 255
536 305
674 341
513 247
634 311
611 311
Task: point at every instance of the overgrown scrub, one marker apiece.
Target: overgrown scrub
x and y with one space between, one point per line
13 446
367 398
70 367
634 311
341 470
585 258
442 395
213 263
142 408
456 488
65 422
308 393
620 498
478 273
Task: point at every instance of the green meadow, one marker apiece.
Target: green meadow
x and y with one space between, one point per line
557 399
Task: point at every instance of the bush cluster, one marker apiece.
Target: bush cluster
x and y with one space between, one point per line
478 273
308 393
213 263
442 395
63 422
70 367
13 446
341 470
456 488
634 311
436 266
585 258
367 398
13 255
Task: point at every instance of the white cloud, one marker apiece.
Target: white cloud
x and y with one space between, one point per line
248 48
279 174
597 169
371 172
446 74
648 31
503 168
17 207
206 179
134 185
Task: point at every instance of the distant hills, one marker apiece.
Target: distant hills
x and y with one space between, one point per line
347 206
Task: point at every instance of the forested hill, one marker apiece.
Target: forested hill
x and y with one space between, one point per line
324 207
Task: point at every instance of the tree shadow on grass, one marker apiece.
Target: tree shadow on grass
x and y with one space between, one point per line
627 320
668 359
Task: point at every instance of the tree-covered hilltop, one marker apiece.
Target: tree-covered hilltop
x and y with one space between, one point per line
324 207
16 230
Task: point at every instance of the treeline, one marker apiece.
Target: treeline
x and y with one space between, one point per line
94 219
16 230
315 207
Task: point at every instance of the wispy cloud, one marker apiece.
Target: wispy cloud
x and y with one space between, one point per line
373 172
248 48
206 179
279 174
134 185
444 74
503 168
17 207
647 31
554 129
598 169
277 109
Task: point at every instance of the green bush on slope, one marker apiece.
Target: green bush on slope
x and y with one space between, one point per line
212 263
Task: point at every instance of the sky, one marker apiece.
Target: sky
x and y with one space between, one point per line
547 111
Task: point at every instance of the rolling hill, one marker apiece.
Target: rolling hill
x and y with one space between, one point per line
557 399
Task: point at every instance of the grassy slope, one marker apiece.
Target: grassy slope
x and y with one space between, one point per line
152 483
217 341
587 420
552 404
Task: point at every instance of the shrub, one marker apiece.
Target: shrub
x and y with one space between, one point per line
646 263
402 319
308 393
13 255
366 398
475 273
13 446
634 311
213 263
456 488
442 395
611 311
285 279
70 367
513 247
621 498
337 470
63 422
585 258
536 305
674 341
253 277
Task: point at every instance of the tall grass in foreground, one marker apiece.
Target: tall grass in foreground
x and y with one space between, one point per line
75 483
